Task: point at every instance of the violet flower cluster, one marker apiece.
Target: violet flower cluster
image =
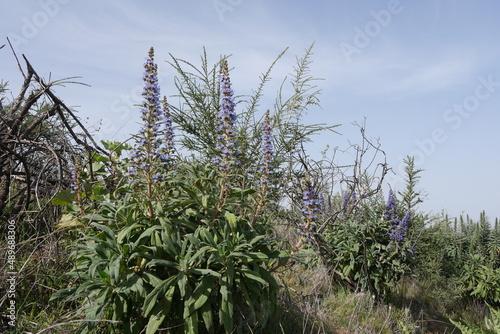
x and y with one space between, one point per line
267 160
348 203
349 200
226 143
398 227
391 212
321 202
154 144
168 134
309 210
399 231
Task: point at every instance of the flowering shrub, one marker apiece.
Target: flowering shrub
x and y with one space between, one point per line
174 247
368 250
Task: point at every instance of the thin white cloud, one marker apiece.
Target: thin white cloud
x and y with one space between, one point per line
396 75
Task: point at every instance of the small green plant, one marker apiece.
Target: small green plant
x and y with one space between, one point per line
481 281
371 251
491 324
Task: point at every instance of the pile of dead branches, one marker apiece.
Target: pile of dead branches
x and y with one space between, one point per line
40 140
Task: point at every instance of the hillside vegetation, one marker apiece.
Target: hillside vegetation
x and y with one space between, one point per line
214 218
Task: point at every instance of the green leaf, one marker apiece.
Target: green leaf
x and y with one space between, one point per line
202 292
159 291
68 221
124 233
119 305
128 284
151 279
204 201
64 294
191 324
161 263
199 253
201 272
253 276
231 219
114 268
206 314
154 323
182 283
226 313
96 217
257 239
250 255
208 237
106 230
63 197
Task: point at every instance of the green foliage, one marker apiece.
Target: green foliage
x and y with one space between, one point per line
211 265
169 244
411 196
178 246
481 281
364 253
491 324
196 115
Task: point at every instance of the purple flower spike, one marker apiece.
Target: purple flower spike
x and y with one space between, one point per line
155 144
400 230
309 209
267 160
165 154
226 144
391 212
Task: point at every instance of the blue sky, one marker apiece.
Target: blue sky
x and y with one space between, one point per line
424 74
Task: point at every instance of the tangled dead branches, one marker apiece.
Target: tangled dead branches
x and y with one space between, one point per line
40 138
